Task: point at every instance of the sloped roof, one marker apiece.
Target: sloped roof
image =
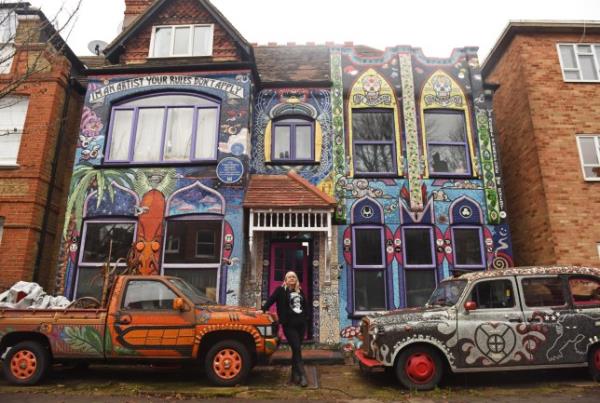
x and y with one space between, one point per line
285 191
308 63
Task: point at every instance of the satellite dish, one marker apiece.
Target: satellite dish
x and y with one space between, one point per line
96 47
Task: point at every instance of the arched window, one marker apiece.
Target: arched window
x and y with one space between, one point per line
164 128
293 139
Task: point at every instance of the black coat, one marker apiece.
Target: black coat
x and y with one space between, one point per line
281 297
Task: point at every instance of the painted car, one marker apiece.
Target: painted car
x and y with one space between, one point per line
148 319
495 320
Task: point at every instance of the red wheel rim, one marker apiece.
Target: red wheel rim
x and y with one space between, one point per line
227 363
597 359
23 364
420 368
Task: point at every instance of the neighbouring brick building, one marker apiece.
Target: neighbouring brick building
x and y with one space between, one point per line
547 109
38 129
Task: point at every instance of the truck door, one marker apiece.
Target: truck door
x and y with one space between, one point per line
489 325
145 324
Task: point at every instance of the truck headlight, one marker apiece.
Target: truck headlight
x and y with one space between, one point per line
265 331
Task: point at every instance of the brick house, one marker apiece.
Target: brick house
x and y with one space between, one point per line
370 173
547 108
38 120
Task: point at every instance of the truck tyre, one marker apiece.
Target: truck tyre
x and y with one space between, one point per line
594 363
227 363
419 368
26 363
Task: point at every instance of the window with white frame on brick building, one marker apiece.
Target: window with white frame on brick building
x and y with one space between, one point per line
589 155
13 110
8 29
580 62
181 40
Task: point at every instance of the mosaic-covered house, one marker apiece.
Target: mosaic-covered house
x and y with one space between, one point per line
371 174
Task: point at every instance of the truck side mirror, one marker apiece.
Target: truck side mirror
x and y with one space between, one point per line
179 304
470 305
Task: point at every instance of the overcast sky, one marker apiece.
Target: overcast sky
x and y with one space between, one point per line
437 26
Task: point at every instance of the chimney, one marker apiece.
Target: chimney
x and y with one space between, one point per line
133 8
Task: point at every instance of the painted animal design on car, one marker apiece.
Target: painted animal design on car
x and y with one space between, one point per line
495 320
148 319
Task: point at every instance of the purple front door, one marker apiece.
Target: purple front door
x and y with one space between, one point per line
289 256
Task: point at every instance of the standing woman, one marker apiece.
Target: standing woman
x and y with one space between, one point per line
291 309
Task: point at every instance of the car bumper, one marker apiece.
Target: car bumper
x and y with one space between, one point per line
365 361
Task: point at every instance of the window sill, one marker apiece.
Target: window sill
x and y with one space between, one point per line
377 175
293 162
9 167
439 175
362 314
105 165
179 57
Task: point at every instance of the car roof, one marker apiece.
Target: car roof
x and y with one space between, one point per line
529 270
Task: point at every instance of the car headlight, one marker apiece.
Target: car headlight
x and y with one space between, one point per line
265 331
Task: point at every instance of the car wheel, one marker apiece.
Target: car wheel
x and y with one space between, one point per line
419 368
227 363
26 363
594 363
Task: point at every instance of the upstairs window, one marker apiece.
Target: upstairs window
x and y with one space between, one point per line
373 137
293 140
447 147
579 62
13 110
164 128
589 155
181 40
8 30
468 247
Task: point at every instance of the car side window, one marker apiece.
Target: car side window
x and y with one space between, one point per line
543 291
585 291
493 294
148 296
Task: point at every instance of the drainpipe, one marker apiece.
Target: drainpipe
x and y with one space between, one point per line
50 194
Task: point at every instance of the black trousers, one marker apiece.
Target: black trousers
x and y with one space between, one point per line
294 333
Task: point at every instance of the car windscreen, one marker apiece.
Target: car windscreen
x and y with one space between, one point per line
197 296
447 293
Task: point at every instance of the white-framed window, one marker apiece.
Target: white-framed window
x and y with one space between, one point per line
13 110
181 40
589 156
172 244
580 61
8 29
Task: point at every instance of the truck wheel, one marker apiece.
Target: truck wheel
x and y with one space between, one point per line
26 363
227 363
594 363
419 368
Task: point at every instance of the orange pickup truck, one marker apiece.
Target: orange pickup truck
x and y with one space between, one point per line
148 319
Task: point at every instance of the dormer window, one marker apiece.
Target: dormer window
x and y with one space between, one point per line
181 40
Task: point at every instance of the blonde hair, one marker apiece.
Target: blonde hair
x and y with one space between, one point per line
288 274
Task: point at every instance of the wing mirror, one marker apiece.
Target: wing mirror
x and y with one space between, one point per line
470 305
179 305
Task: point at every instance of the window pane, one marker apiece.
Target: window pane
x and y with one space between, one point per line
202 41
368 245
148 134
589 152
493 294
592 172
7 54
584 49
588 68
543 292
13 110
169 100
448 159
369 290
373 124
98 238
417 242
89 283
120 135
467 246
148 295
178 143
200 241
572 75
181 45
585 291
281 146
419 286
370 158
1 228
8 27
597 50
568 56
204 279
303 142
446 127
206 133
162 42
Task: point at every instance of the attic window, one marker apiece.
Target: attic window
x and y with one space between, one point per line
181 40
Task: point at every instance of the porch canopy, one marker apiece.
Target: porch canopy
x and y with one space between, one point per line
288 203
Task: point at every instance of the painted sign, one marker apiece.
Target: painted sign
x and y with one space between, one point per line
230 170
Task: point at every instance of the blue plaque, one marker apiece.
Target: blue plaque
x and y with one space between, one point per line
230 170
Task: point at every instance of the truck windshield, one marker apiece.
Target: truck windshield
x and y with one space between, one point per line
197 296
447 293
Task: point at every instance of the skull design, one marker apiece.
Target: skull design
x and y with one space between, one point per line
372 85
442 87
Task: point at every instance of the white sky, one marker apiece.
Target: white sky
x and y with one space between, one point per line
435 25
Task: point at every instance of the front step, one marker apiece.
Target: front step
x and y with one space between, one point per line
309 356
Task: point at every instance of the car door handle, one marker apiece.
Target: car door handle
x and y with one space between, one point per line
124 319
515 320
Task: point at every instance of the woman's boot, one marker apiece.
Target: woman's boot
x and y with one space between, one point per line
295 377
303 380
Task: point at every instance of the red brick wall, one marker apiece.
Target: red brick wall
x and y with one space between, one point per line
175 13
554 213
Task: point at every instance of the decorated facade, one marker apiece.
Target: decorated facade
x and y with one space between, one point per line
371 174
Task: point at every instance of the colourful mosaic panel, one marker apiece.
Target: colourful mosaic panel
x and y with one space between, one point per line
487 166
339 153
